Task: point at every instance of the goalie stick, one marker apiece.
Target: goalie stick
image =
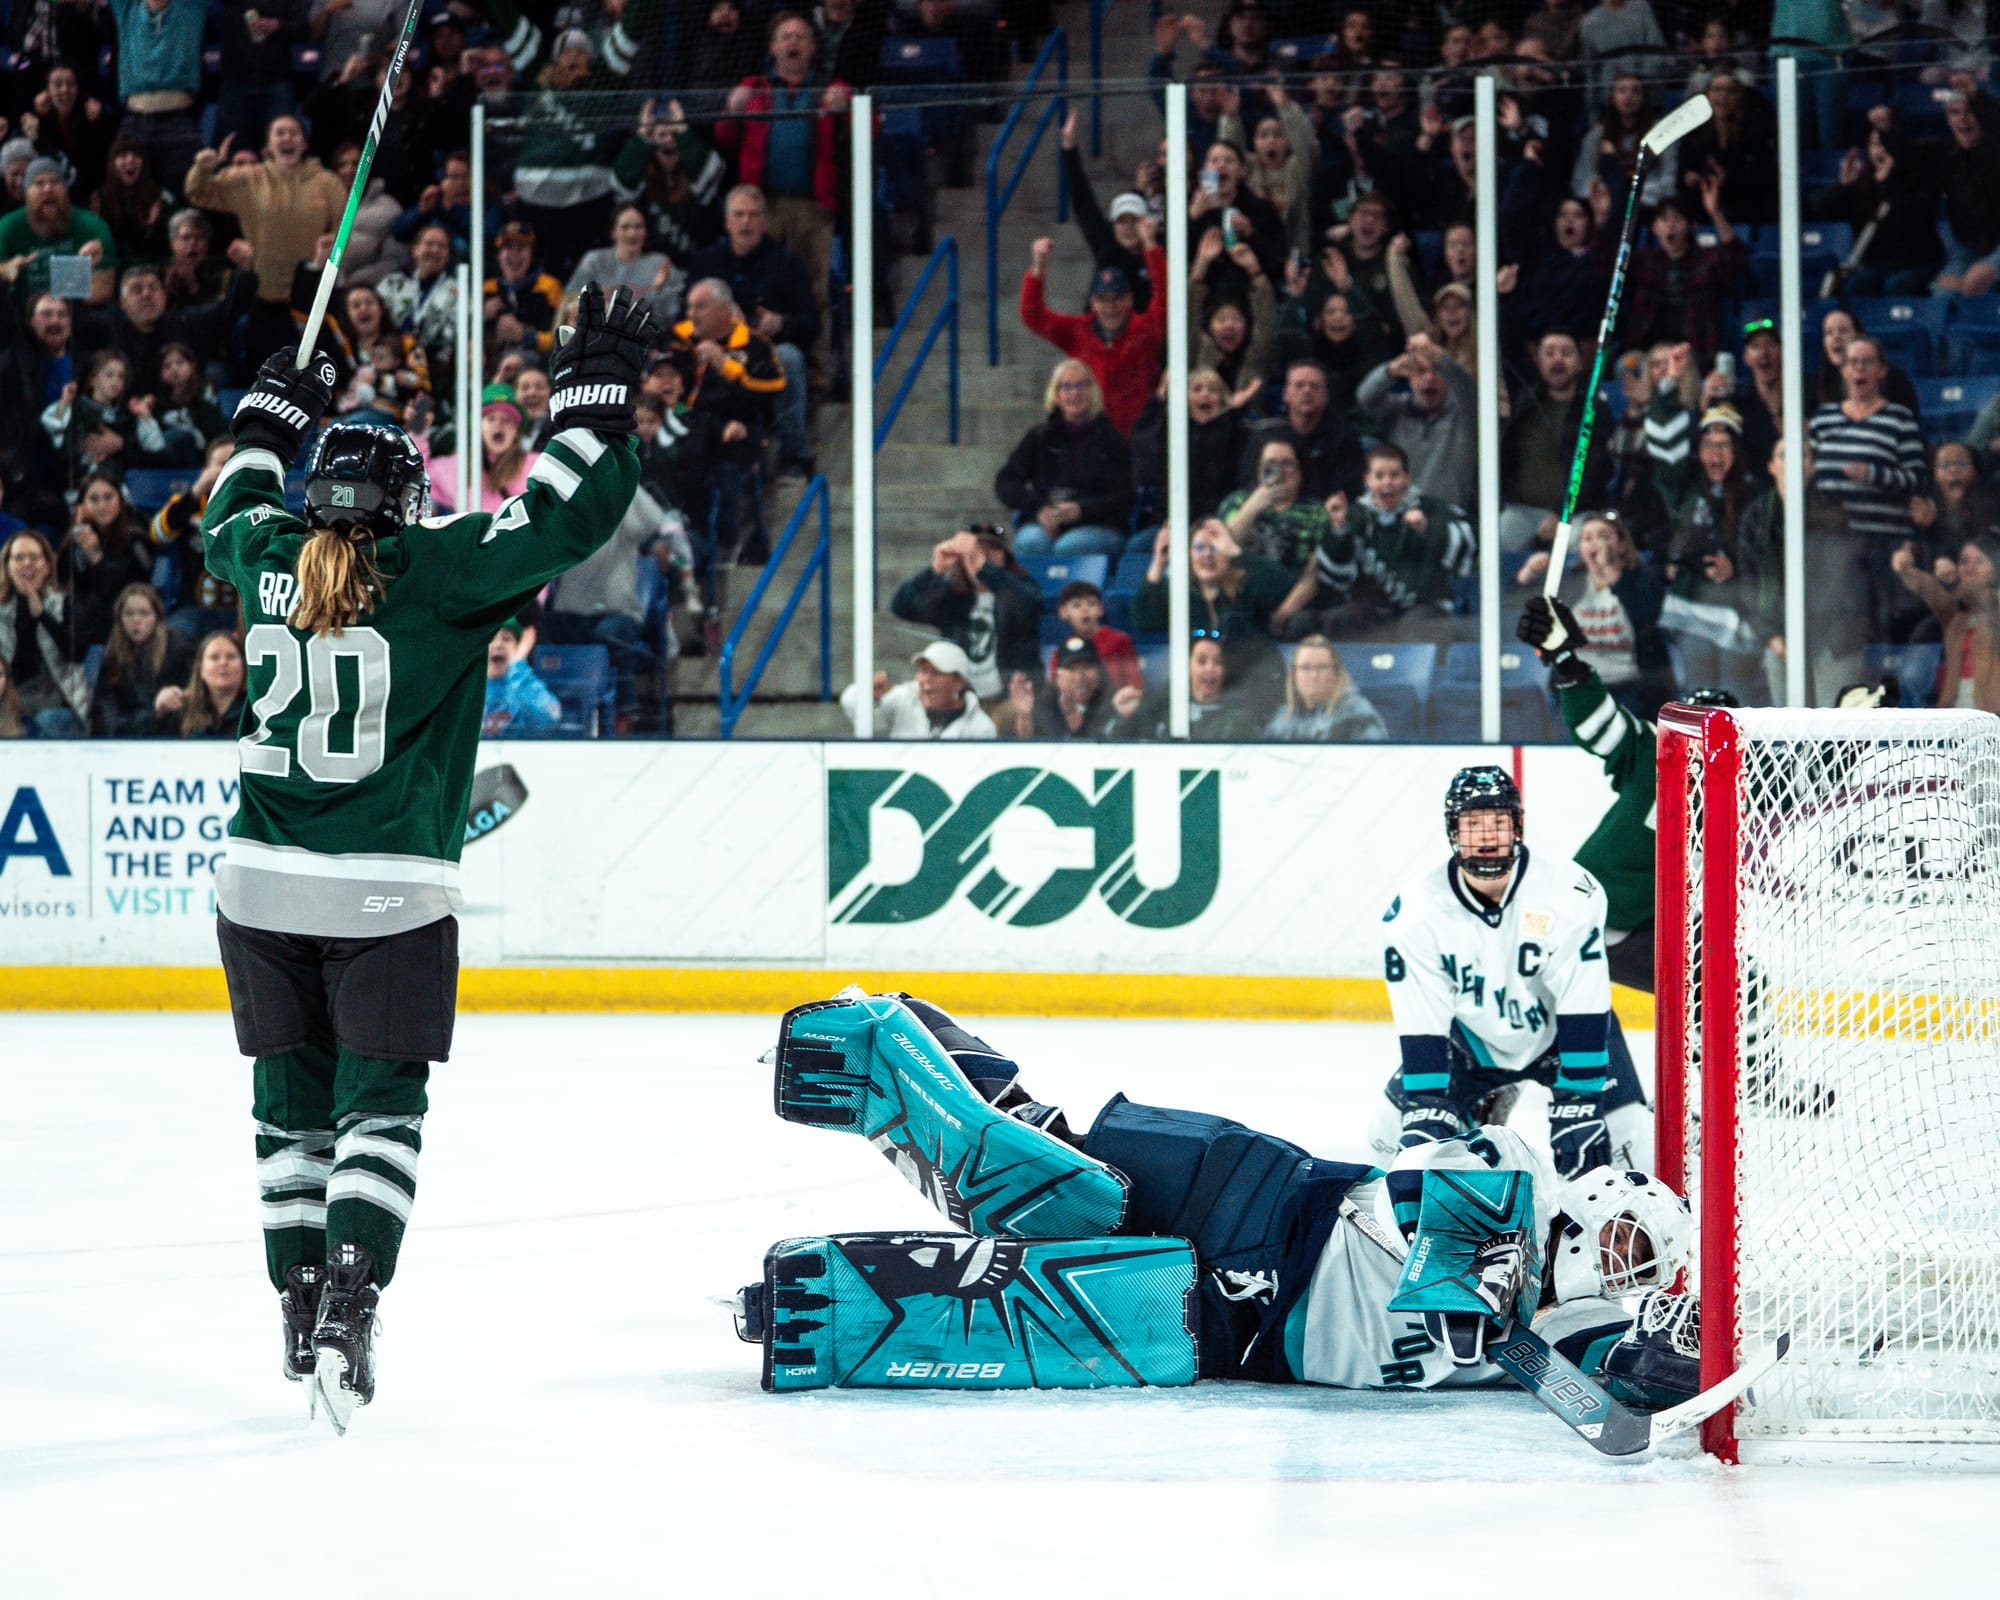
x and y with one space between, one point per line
1606 1424
1675 126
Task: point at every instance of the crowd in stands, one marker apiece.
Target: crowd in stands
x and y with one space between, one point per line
174 172
1333 417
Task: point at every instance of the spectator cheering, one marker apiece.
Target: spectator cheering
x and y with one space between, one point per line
1968 612
210 704
935 704
1275 519
1674 294
1076 702
159 79
1221 708
977 596
1617 604
48 225
627 263
775 293
1080 604
37 640
1434 420
1115 237
1231 592
518 704
1123 351
1069 480
142 656
1539 445
1322 705
1215 445
792 156
284 205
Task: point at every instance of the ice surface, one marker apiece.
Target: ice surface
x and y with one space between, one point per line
563 1412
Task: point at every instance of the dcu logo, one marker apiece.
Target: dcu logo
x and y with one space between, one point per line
958 848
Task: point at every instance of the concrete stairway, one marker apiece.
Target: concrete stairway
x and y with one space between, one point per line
926 488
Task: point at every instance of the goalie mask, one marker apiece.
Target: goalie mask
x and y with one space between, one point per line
366 475
1478 789
1617 1233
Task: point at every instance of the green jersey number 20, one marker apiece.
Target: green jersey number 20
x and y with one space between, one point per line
314 666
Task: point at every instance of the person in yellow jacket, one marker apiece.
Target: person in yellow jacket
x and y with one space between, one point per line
283 203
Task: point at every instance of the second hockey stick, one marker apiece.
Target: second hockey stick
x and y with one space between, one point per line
1675 126
331 271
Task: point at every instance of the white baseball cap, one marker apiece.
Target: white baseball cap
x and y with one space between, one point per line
1129 204
946 657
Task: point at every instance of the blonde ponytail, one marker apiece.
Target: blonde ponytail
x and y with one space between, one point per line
338 583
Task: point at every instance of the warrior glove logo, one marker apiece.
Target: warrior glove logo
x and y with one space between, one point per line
590 394
281 408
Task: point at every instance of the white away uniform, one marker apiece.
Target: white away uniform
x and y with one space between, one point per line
1485 994
1349 1337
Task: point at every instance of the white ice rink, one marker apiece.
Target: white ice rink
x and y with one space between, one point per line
563 1413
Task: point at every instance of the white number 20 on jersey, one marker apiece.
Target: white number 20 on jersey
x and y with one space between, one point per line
312 666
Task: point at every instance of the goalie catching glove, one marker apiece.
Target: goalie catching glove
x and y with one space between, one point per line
595 375
1550 628
284 403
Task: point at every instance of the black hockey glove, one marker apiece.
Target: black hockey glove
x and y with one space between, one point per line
1578 1138
1658 1361
284 404
1549 627
599 362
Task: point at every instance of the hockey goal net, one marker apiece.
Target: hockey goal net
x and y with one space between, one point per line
1828 1047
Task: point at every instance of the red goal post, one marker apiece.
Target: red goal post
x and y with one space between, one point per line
1828 1062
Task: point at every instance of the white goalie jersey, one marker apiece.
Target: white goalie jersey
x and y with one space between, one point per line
1496 977
1348 1337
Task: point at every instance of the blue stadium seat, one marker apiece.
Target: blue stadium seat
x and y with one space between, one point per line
167 578
93 663
580 676
1975 311
1920 108
1975 348
149 488
1397 680
1907 324
1913 666
1302 48
913 60
1152 651
1950 404
1054 630
1052 572
1815 262
1835 236
1524 698
1818 168
1130 573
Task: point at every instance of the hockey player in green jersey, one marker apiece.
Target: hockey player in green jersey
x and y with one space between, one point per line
367 625
1619 852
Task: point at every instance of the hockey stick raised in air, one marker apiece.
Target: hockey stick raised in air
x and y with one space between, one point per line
331 270
1662 136
1607 1425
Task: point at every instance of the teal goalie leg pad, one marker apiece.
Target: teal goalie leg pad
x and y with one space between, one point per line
1476 1257
950 1311
864 1064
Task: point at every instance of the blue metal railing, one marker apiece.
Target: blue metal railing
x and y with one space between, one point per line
944 319
819 563
1097 10
999 196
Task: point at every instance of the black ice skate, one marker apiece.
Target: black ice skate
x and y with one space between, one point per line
344 1340
299 1302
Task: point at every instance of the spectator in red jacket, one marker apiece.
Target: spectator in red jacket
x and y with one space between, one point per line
1124 351
792 158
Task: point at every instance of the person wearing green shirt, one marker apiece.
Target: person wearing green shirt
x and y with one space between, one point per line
48 225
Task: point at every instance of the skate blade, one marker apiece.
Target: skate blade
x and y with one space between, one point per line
328 1390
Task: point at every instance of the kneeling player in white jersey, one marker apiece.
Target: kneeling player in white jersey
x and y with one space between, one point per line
1496 970
1164 1246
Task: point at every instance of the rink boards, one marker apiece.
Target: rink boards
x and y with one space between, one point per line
1149 880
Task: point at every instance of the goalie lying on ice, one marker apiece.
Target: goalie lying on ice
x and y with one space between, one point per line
1164 1246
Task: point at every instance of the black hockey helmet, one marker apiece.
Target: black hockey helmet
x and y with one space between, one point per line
366 474
1483 789
1711 699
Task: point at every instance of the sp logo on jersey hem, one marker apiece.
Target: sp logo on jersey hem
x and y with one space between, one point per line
958 854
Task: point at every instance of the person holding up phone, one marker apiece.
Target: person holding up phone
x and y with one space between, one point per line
48 228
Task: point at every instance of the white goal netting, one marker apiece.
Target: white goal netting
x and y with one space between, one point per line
1864 1205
